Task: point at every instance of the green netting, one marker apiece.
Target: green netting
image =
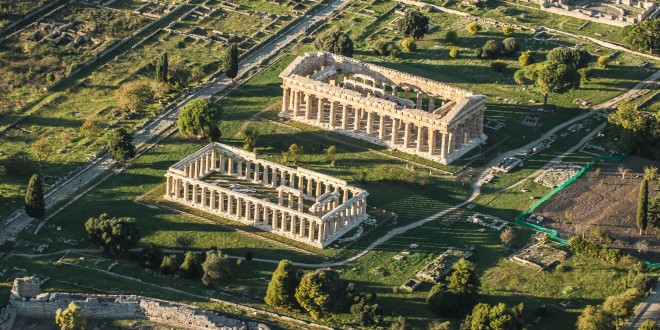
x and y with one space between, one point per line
553 233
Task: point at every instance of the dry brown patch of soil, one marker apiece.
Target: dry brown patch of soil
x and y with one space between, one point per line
605 202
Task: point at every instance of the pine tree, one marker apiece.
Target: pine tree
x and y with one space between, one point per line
282 286
231 62
34 198
189 266
643 207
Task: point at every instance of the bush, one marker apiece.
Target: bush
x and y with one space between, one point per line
318 292
185 240
579 246
190 266
507 30
511 46
337 42
413 24
473 28
216 268
113 235
451 37
603 62
492 49
478 52
408 45
526 58
120 146
385 48
453 52
585 74
169 265
498 65
151 257
576 58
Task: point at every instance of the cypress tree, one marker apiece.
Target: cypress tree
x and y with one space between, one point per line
161 68
643 206
189 266
231 62
282 286
34 198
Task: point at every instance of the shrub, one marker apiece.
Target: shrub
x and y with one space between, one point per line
337 42
282 286
473 28
507 30
603 62
413 24
190 266
478 52
511 46
585 74
498 65
408 45
385 48
113 235
492 48
151 257
169 265
318 292
185 240
216 268
577 58
526 58
451 37
453 52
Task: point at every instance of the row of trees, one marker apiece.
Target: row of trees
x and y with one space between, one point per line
635 131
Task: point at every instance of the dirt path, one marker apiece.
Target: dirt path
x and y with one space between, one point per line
253 118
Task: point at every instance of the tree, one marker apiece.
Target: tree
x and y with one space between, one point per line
169 265
525 58
451 37
507 236
437 325
650 173
463 279
331 154
114 235
217 268
603 62
453 52
198 118
190 265
643 207
595 318
408 45
400 323
585 74
507 30
551 77
384 47
318 292
250 139
231 61
70 318
151 257
498 317
473 28
120 146
337 42
577 58
444 302
179 74
654 212
492 48
134 95
635 131
622 305
161 68
645 36
414 24
649 325
35 206
293 154
511 46
282 286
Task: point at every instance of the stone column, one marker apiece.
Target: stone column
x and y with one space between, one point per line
406 136
395 135
420 138
264 217
289 201
443 146
222 163
308 106
248 166
381 127
280 197
264 175
221 201
309 187
318 189
194 196
239 168
395 91
257 168
203 196
356 121
296 103
466 133
285 98
370 123
239 207
300 182
213 204
230 166
432 141
450 142
319 110
406 92
480 123
273 178
168 186
333 113
344 118
420 99
431 103
301 205
292 180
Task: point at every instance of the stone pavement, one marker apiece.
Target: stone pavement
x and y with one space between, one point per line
18 220
647 310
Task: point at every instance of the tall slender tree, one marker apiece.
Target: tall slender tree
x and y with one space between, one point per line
34 198
643 207
282 287
231 62
162 68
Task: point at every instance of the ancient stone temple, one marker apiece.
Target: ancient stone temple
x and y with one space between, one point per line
300 204
383 106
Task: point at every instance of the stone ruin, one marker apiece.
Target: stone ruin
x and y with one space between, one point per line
303 205
612 12
27 301
373 103
62 34
154 10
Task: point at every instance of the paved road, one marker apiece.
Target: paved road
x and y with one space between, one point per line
648 310
18 220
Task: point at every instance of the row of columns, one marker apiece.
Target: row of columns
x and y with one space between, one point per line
395 131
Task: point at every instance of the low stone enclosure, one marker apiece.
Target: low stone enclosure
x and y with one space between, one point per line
539 256
442 265
613 12
296 203
364 101
26 301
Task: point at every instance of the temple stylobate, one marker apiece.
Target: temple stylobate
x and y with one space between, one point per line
383 106
300 204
